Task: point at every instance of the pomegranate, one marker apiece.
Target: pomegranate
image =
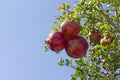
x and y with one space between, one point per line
94 36
106 40
70 29
76 47
56 41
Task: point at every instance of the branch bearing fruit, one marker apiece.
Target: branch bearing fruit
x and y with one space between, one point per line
76 47
95 36
106 40
56 41
70 29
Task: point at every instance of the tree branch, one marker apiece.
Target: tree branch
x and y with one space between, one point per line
108 19
116 13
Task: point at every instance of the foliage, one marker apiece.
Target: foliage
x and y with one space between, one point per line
102 15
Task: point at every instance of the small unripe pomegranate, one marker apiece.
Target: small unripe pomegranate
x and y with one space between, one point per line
76 47
106 40
94 36
70 29
56 41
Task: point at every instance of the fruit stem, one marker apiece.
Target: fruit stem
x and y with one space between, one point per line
46 41
73 20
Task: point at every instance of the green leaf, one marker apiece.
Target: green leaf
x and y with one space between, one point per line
46 48
68 62
61 62
54 29
60 9
63 5
68 5
57 24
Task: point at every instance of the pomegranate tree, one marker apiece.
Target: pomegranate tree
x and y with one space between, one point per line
70 29
102 18
56 41
76 47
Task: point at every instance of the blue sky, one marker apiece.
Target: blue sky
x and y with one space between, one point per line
24 25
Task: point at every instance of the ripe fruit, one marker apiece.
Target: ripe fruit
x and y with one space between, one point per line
56 41
76 47
94 36
106 40
70 29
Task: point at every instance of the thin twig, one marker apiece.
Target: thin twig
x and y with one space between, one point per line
116 13
108 19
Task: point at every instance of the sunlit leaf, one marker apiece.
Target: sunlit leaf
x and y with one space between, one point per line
54 29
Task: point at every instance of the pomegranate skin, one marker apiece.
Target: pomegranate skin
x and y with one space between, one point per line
94 36
70 29
76 47
56 41
106 40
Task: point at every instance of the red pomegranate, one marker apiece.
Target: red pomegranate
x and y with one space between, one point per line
106 40
70 29
56 41
76 47
94 36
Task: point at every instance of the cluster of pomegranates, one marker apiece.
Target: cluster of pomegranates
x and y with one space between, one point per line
67 38
106 40
75 46
95 36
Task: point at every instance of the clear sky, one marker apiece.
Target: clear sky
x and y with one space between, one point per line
24 25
